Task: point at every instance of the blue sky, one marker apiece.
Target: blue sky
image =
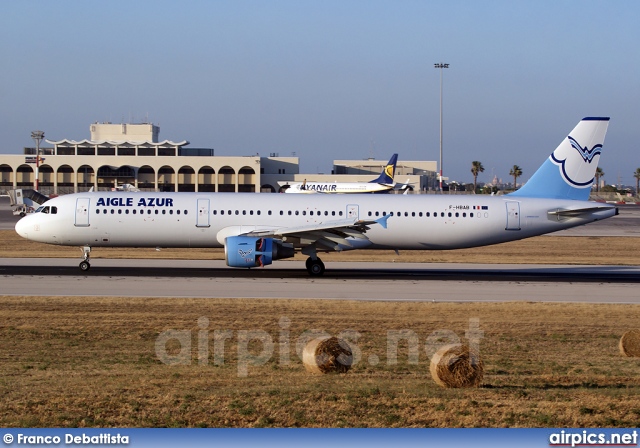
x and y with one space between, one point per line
330 79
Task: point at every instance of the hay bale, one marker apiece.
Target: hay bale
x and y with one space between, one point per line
630 343
327 354
457 366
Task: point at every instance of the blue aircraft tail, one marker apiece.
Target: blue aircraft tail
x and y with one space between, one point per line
569 171
388 172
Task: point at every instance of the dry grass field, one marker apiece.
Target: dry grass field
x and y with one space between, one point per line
93 362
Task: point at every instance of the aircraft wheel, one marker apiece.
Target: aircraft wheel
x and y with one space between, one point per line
315 267
84 266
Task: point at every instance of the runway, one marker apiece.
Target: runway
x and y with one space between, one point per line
441 282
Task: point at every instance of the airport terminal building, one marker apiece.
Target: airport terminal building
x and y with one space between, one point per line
130 154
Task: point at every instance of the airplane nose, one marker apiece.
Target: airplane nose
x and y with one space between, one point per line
21 227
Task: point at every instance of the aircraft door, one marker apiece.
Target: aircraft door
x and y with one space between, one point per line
203 213
352 211
82 212
513 215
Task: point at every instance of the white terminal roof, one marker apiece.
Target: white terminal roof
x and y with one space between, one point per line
86 142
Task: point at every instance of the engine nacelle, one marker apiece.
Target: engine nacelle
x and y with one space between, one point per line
251 251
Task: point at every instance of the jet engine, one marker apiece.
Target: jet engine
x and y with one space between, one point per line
251 251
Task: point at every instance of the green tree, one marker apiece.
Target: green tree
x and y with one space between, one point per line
476 168
599 174
516 172
637 176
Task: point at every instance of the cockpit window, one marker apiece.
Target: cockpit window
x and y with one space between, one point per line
45 210
39 209
54 210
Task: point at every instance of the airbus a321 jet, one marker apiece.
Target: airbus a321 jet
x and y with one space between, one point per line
382 184
257 229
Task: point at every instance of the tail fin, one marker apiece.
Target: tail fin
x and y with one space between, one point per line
569 171
386 176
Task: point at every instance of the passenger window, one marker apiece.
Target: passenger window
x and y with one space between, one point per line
126 212
244 212
97 211
427 214
113 211
186 211
134 211
369 214
251 212
215 212
334 214
289 212
406 213
471 215
464 215
237 212
156 211
442 214
304 213
171 212
164 212
377 213
449 214
297 212
340 212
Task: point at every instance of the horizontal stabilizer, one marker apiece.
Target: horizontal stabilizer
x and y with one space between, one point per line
558 214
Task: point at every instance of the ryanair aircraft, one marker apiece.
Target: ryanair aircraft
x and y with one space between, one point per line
257 229
382 184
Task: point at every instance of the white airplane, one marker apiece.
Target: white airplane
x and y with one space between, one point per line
256 229
381 184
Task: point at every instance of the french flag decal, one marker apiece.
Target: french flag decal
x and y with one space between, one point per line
483 207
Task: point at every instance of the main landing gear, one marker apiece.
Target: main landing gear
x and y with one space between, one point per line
315 267
84 264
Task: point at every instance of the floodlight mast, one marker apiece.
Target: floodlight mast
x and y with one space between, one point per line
37 136
441 65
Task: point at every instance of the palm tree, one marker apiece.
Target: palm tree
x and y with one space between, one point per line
599 174
637 176
516 172
476 168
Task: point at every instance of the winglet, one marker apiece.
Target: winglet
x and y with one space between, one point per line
383 221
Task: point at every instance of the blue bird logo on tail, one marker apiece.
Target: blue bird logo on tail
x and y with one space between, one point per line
586 153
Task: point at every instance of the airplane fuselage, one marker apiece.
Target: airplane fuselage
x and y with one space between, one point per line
201 220
338 188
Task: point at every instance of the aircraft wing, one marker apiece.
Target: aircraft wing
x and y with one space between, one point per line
329 235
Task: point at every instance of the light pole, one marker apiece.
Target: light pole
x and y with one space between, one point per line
37 136
441 65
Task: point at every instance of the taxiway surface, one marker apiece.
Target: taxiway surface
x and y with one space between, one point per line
439 282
